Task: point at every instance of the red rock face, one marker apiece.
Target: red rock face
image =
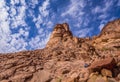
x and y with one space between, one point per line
67 58
108 63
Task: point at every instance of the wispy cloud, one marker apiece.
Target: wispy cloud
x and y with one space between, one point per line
75 13
103 16
103 11
75 8
101 26
103 8
83 32
104 22
118 4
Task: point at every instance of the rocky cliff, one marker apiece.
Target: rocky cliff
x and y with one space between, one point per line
67 58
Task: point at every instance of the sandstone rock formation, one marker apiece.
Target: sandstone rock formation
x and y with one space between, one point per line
67 58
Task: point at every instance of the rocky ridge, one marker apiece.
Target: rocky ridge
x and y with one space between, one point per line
67 58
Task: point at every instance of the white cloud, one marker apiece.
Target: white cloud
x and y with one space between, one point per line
49 24
108 5
97 10
13 2
41 30
103 16
43 9
20 18
38 21
39 42
12 42
19 44
103 22
33 3
113 18
2 3
13 11
75 13
23 32
4 24
75 8
101 26
44 12
103 10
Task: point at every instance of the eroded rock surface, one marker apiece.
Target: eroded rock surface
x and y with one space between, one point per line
67 58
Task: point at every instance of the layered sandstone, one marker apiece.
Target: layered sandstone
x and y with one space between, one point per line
67 58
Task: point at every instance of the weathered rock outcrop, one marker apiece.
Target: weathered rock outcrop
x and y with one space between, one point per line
67 58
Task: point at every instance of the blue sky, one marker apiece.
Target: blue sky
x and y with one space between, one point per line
27 24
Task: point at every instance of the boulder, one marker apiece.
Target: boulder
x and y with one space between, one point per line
108 63
100 79
92 78
106 72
